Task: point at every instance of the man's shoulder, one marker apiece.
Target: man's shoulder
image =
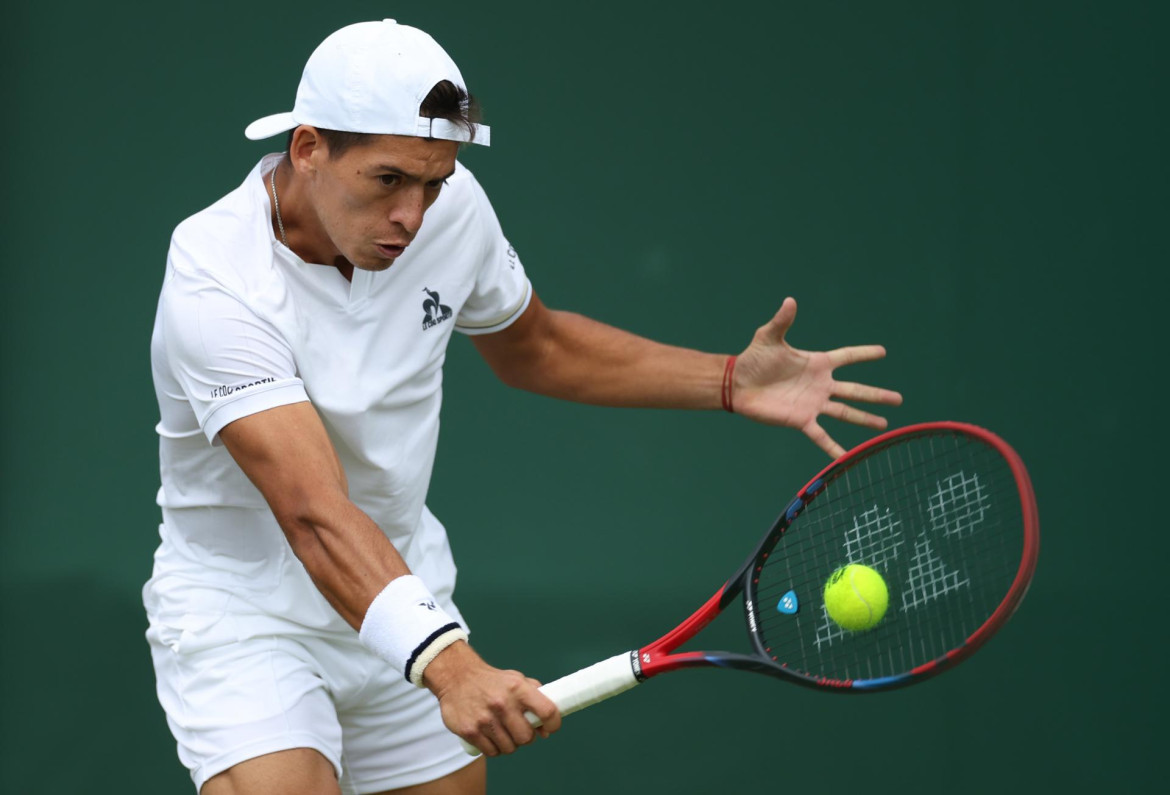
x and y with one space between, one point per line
223 237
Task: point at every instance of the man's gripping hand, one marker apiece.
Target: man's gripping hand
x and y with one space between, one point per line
485 705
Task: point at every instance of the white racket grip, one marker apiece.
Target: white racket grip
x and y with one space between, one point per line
584 688
590 685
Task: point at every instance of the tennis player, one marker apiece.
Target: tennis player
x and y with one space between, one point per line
302 622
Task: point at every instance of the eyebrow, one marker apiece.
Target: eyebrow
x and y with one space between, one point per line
408 175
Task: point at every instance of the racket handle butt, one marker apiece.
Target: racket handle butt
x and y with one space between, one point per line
584 688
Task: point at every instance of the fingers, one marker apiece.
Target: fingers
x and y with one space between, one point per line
516 731
516 728
511 718
840 411
492 734
545 710
864 393
500 735
485 740
856 353
822 440
774 330
479 738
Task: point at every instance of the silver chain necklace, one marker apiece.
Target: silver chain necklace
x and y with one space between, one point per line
276 203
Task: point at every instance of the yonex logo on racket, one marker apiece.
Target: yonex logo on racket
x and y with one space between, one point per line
789 604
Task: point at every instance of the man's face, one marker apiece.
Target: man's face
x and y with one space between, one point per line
369 201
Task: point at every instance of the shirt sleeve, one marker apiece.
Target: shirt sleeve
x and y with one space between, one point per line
228 361
502 290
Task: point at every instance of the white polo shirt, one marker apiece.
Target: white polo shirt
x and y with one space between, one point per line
244 325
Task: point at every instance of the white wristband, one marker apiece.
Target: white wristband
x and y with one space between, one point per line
405 626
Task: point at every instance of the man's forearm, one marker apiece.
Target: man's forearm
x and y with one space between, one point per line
287 454
348 557
569 356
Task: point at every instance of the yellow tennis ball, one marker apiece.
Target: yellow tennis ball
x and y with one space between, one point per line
856 597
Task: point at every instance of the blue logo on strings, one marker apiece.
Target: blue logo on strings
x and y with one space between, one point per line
789 604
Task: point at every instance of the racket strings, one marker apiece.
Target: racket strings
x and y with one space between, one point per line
938 516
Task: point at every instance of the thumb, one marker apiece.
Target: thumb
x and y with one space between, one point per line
775 329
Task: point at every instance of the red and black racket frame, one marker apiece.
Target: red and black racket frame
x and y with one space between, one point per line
659 656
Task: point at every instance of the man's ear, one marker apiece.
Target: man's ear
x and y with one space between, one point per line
307 149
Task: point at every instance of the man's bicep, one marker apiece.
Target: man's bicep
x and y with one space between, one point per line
287 454
510 351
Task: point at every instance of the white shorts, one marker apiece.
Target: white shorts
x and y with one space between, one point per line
227 702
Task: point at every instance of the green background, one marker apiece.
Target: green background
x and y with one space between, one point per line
980 186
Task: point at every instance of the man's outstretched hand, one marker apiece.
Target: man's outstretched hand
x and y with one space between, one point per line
777 384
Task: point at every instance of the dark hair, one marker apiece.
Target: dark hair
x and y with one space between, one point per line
445 101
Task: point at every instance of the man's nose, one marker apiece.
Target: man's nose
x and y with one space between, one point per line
409 209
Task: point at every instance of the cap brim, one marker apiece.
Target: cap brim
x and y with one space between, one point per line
269 126
443 129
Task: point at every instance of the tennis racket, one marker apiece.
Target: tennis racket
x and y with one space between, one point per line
943 511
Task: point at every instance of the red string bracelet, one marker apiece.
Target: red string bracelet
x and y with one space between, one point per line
728 376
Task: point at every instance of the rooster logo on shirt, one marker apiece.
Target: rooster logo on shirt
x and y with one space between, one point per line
436 312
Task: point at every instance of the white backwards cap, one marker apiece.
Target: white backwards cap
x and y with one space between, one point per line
372 77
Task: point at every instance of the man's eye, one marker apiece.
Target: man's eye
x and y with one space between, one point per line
436 183
389 179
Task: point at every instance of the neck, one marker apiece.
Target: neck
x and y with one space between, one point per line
345 266
299 230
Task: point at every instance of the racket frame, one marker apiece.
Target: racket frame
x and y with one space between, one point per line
621 672
660 656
